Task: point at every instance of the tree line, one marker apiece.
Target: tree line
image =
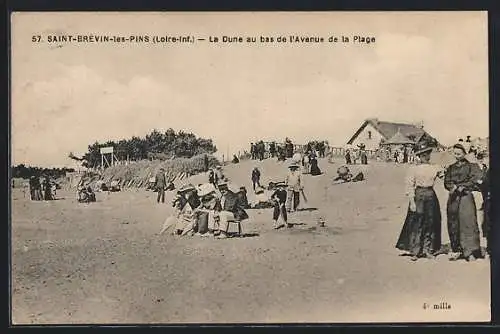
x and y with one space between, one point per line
25 172
154 146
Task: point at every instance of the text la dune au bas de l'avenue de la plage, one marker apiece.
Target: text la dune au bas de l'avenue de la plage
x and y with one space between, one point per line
162 39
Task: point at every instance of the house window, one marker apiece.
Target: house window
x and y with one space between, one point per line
369 135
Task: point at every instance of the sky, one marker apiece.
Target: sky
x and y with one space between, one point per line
430 67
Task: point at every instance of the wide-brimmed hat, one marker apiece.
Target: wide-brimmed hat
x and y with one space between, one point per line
280 184
293 165
186 188
361 145
422 149
206 193
223 185
205 189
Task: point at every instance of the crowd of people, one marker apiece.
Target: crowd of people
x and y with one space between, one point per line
42 188
261 150
421 232
353 156
208 208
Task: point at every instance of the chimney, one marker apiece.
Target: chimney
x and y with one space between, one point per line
420 124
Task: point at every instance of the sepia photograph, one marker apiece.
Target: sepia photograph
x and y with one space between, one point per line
249 167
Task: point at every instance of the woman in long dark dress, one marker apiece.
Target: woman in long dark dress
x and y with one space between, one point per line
421 233
460 180
313 161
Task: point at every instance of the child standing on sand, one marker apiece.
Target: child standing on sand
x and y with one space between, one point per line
279 198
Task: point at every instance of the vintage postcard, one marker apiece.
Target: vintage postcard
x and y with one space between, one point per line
249 167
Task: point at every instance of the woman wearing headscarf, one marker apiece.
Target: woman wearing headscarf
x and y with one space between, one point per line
421 233
461 179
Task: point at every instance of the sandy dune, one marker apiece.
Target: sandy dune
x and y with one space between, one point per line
105 263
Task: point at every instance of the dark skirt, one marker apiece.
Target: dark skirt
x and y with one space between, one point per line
421 233
486 226
314 168
462 225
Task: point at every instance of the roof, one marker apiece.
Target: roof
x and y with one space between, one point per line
399 139
389 129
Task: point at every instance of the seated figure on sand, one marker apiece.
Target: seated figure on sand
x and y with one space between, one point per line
344 175
85 194
229 208
115 185
242 194
183 219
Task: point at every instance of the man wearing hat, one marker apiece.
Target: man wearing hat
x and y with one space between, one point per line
160 184
228 208
294 184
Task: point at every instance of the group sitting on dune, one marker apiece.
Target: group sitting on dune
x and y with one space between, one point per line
206 210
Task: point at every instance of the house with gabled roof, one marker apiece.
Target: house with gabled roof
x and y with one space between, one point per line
373 132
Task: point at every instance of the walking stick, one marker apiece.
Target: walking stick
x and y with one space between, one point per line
303 195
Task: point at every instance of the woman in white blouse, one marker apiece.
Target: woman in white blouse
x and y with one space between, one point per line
421 233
